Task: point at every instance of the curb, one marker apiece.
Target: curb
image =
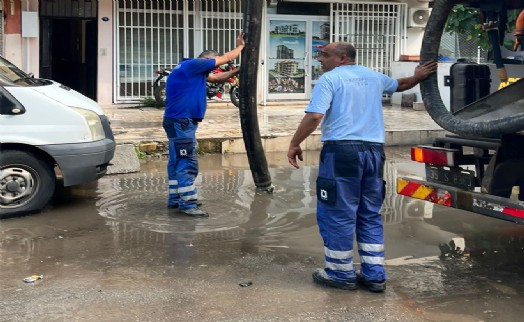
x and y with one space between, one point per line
235 145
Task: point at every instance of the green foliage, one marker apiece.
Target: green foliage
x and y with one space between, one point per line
465 20
151 102
140 154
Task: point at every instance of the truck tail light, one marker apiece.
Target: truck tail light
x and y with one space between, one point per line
434 155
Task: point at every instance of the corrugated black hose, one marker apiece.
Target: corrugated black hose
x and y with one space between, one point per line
431 94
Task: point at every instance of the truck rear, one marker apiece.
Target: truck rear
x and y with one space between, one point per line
480 167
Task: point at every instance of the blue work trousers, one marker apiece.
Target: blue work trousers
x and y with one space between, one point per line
182 167
350 192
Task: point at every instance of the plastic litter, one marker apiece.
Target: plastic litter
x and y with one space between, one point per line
245 283
33 278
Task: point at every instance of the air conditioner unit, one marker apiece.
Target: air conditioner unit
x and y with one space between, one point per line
418 17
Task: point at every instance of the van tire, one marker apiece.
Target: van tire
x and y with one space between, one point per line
24 170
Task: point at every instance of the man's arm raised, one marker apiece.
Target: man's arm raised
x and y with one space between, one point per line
232 54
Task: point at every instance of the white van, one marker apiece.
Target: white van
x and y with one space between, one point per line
46 129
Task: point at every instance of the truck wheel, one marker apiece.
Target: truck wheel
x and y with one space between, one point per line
27 183
234 96
160 94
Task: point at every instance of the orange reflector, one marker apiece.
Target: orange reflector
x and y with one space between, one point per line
434 155
417 154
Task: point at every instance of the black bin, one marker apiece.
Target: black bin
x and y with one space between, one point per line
468 83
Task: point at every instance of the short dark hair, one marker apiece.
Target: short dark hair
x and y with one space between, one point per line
210 52
346 48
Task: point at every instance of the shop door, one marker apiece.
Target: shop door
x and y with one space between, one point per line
68 44
293 45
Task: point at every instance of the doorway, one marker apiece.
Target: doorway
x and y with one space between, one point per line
293 46
69 53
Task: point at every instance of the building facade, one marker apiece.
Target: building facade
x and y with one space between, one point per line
109 50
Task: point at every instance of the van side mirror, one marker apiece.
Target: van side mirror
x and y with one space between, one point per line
9 105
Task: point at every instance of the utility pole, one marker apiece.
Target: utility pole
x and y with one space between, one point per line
248 95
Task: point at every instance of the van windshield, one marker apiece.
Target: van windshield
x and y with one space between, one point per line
13 74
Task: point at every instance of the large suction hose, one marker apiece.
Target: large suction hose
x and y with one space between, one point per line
431 94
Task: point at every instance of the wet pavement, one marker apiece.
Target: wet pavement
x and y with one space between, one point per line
111 251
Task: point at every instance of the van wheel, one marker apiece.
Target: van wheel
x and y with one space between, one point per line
26 183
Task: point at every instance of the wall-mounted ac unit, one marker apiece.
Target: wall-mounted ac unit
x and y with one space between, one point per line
418 17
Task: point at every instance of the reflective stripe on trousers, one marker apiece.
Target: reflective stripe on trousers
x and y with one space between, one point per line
350 191
182 166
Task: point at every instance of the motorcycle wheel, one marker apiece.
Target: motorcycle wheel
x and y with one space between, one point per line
234 96
160 94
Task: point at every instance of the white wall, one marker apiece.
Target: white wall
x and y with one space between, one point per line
13 49
415 34
30 46
105 53
414 42
24 52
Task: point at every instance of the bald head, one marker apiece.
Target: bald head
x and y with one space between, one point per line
346 48
337 54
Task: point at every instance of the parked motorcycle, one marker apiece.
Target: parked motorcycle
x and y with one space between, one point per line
213 90
159 86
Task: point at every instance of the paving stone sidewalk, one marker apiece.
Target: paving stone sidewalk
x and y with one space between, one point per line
221 130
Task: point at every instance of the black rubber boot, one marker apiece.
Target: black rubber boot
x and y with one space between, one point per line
194 212
321 277
372 286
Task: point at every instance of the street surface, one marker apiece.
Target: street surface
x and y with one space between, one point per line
111 251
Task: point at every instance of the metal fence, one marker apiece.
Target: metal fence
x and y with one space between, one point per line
154 34
377 29
456 46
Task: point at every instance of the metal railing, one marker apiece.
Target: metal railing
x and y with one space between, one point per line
155 34
377 30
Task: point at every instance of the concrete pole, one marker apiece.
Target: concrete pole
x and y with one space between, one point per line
248 95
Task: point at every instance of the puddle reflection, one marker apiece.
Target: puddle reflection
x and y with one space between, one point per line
132 208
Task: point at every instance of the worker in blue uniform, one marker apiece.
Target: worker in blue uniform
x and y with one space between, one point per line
185 109
347 103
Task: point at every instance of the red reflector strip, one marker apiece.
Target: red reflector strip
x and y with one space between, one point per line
423 192
514 212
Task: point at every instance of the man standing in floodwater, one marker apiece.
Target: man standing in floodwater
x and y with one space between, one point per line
185 109
347 102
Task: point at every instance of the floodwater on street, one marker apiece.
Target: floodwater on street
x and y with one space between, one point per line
112 251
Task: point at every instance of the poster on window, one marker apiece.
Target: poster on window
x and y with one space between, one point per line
320 38
287 47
